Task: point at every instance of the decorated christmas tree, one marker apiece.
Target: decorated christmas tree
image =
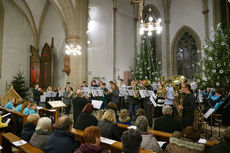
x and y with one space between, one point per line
20 85
214 66
146 65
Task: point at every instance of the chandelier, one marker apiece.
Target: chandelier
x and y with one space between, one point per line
72 47
150 24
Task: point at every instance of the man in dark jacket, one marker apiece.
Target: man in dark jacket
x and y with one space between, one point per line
224 146
167 123
62 140
29 127
37 92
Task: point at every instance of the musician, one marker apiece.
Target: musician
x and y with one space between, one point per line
37 92
67 97
122 83
84 85
169 97
187 106
68 84
58 91
49 90
94 83
122 99
133 103
114 94
105 98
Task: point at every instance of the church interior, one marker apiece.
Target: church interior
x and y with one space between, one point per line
156 66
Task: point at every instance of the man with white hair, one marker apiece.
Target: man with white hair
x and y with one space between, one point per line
167 123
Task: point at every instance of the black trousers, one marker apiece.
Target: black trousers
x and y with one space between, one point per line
67 109
148 110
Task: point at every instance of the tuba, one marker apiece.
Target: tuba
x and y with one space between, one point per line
162 88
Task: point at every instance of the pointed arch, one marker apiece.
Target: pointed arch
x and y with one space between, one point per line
179 34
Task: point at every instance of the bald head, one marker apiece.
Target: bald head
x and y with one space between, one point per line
167 110
64 123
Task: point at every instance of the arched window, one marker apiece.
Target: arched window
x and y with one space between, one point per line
185 47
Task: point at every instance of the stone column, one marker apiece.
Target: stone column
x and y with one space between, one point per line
135 29
206 21
114 38
167 33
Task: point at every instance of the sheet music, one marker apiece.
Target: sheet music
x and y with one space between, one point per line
8 120
39 107
122 91
1 147
94 93
209 112
131 93
19 143
100 93
153 101
55 104
161 143
132 127
151 93
60 94
107 141
142 93
42 98
97 104
203 141
5 115
47 94
53 94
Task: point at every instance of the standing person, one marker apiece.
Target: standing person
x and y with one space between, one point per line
122 98
131 141
79 103
94 83
58 91
37 92
133 103
67 97
187 106
49 90
68 85
84 84
114 94
105 98
62 140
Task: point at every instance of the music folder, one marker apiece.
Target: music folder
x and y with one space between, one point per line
209 112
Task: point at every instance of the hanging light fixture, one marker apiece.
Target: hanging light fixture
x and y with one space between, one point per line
150 24
72 47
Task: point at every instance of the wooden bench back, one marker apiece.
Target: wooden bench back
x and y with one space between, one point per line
7 144
11 93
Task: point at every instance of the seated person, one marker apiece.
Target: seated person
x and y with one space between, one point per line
62 140
124 117
29 127
187 142
131 141
108 126
223 146
10 104
167 123
86 119
148 140
141 112
30 109
19 105
216 97
42 133
113 106
91 137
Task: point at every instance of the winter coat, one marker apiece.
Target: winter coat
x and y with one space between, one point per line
109 130
85 120
78 104
222 147
167 123
28 131
184 145
61 142
150 143
87 148
124 120
39 138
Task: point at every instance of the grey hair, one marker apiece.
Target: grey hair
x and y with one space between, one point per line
44 124
167 109
142 124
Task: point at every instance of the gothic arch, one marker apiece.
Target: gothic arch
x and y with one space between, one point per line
184 29
1 34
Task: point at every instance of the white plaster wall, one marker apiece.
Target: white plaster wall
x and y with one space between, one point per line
100 60
52 27
17 38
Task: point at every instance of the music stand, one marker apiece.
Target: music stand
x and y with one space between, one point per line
56 105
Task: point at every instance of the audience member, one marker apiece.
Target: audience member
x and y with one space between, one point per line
29 127
148 140
223 146
188 143
92 137
62 140
108 126
10 104
113 106
124 117
42 133
86 119
141 112
131 141
19 105
167 123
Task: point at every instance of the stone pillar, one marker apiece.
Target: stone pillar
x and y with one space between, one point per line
167 33
135 29
206 21
114 38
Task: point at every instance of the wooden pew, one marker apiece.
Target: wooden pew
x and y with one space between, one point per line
44 112
115 147
14 116
7 144
161 135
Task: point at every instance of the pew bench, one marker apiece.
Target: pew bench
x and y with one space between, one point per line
7 143
115 147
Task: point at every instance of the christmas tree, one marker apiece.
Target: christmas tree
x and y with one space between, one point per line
20 85
214 66
146 64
